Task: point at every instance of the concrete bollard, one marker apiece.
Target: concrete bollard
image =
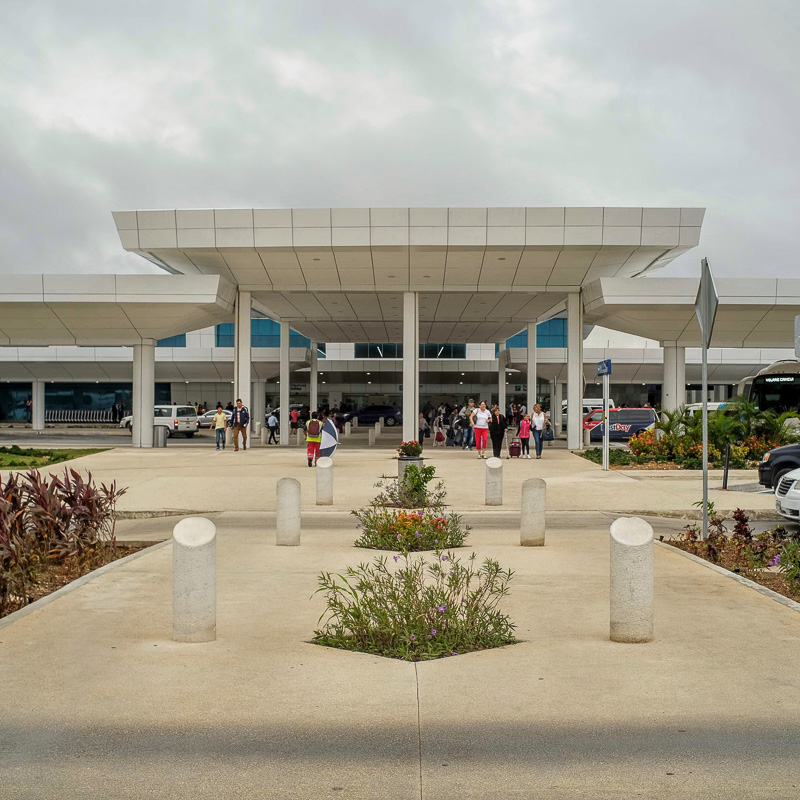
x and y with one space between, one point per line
631 580
494 482
587 437
325 481
228 436
257 428
287 513
378 429
371 436
298 440
347 428
194 580
532 513
355 422
264 435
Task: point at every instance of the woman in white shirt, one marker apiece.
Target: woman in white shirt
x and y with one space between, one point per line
538 421
480 422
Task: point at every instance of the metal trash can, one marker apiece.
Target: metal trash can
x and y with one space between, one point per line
160 436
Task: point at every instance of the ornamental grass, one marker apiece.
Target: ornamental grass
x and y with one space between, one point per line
416 608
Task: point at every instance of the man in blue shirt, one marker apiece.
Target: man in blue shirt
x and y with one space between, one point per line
239 420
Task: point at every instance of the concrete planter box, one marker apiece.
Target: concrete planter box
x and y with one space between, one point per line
404 461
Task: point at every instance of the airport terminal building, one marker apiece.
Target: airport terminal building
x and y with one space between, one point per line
391 305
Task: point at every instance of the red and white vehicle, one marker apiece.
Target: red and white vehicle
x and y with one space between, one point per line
623 422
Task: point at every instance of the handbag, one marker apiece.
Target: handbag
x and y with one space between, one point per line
439 436
547 433
427 433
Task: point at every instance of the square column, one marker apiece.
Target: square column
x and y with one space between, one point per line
313 399
37 405
532 367
673 389
286 378
574 371
144 392
259 408
410 365
501 378
556 398
242 356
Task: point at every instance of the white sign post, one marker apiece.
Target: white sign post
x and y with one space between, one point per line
706 309
604 369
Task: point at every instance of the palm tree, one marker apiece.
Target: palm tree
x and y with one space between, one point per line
746 412
672 423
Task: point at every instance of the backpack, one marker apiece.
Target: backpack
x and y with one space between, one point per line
313 428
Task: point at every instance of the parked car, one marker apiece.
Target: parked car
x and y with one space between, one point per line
776 463
204 420
372 414
623 423
787 495
589 405
176 419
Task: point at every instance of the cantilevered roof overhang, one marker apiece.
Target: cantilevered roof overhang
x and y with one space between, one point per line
752 312
110 309
338 275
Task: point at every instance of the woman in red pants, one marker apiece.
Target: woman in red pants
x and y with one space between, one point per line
480 422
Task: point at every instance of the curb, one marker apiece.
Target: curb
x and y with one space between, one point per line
76 584
779 598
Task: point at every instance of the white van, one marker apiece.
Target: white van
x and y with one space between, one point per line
589 405
176 419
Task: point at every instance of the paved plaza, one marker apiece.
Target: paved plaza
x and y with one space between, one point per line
100 702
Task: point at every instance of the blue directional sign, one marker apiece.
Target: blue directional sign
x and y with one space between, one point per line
604 367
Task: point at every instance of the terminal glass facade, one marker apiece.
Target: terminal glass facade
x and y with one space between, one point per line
173 341
263 333
395 350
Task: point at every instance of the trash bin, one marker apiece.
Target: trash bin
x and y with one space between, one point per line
160 436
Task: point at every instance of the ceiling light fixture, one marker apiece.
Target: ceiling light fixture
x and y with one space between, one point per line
316 259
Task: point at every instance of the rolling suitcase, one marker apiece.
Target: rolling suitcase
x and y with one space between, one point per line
515 448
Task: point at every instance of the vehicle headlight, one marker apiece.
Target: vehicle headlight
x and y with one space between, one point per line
765 458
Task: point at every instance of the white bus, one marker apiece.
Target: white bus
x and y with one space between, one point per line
776 388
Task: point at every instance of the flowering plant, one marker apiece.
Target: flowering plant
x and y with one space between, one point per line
385 528
417 609
410 449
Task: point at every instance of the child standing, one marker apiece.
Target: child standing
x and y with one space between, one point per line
525 435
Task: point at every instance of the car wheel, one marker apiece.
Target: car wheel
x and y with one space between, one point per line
390 422
776 479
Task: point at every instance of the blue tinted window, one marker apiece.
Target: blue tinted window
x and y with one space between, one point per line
173 341
263 333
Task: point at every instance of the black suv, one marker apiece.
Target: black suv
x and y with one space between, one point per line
776 463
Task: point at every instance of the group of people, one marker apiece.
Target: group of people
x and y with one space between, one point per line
474 426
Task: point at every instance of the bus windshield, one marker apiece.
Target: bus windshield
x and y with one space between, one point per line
778 393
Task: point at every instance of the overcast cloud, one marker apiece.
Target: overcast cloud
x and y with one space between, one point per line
171 104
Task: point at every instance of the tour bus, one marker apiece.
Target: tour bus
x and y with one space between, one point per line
776 388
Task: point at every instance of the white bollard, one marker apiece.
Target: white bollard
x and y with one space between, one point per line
371 436
377 429
355 422
587 437
287 512
325 481
257 428
264 435
494 482
298 440
631 580
228 436
532 513
347 428
194 580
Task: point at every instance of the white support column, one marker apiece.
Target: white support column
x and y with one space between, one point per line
410 365
501 377
144 392
285 385
574 371
242 357
37 405
313 400
557 395
673 389
532 367
259 401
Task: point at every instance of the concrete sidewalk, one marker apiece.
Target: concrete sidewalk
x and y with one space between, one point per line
203 480
98 702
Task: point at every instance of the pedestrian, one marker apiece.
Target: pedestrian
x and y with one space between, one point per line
29 410
538 423
480 428
313 439
272 424
497 430
294 416
219 422
229 407
438 432
239 420
468 439
424 428
114 417
525 436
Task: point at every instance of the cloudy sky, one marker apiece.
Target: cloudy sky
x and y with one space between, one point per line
112 104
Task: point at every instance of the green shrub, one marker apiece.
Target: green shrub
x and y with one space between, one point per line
429 528
412 491
424 608
789 562
616 456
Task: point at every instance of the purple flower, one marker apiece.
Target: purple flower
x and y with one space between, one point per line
412 637
450 573
399 536
442 609
419 535
394 557
444 558
433 632
775 561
